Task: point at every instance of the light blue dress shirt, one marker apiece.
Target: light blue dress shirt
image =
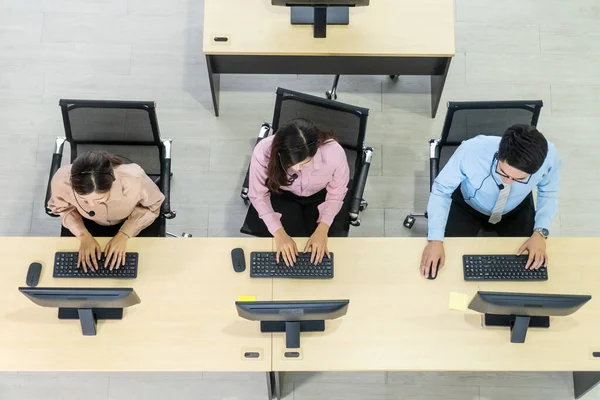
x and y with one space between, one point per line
470 164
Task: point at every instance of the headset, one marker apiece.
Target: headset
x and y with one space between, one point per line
294 176
500 185
90 213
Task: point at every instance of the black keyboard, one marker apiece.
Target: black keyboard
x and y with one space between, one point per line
263 265
65 266
501 268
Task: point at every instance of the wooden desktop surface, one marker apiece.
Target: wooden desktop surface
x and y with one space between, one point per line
186 321
398 320
420 28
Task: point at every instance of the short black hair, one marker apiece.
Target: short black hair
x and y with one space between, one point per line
523 147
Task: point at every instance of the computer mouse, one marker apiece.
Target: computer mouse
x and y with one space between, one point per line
238 260
430 276
33 274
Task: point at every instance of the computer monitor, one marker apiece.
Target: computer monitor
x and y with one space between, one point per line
86 304
292 317
320 13
520 311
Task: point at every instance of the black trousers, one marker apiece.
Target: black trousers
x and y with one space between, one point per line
299 215
465 221
156 229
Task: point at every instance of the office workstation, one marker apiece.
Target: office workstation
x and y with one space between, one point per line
402 37
186 257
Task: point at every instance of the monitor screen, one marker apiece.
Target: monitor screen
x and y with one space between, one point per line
527 304
292 310
81 297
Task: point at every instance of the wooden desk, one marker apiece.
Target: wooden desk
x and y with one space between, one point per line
389 37
186 320
398 321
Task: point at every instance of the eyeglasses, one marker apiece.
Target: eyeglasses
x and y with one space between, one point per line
502 174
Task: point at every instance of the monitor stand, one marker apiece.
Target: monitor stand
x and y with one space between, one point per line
518 324
89 316
292 330
320 17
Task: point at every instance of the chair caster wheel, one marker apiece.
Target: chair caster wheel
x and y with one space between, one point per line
394 77
409 221
246 202
330 95
186 235
355 223
363 205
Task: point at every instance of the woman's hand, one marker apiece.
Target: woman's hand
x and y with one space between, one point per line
286 247
89 252
115 251
318 242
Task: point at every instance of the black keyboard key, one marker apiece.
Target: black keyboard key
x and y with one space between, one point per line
65 266
263 265
500 268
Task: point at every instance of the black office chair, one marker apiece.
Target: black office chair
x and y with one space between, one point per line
465 120
127 129
332 94
349 123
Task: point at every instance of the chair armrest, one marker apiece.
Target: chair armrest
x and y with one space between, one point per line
265 128
59 144
359 186
165 180
434 161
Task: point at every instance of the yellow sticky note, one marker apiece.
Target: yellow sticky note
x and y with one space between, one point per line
458 301
246 298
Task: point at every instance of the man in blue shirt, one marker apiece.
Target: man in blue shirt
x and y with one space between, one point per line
488 183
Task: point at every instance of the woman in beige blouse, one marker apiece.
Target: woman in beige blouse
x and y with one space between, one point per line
114 199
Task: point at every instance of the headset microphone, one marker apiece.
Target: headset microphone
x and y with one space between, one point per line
500 186
90 213
292 177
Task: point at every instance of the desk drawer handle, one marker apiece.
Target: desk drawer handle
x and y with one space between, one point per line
291 354
252 354
596 354
220 39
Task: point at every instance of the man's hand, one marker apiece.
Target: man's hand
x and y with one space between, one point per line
89 252
536 247
318 242
432 255
286 247
115 251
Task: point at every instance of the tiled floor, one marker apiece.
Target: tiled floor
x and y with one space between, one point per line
151 50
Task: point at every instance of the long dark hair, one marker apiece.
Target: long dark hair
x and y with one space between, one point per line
293 143
93 172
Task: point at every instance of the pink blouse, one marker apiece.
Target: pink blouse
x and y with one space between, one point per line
328 169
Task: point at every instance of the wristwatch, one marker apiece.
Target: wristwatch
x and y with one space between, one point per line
542 231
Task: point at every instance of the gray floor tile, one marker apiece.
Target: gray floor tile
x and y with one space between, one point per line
192 9
226 220
575 100
570 38
207 188
65 386
408 93
532 68
111 29
492 38
17 87
191 218
77 7
402 160
485 379
184 389
372 224
502 393
396 192
235 376
183 60
31 119
394 219
20 27
190 154
66 57
376 391
231 155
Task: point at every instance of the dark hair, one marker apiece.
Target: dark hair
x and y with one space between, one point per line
293 143
93 172
523 147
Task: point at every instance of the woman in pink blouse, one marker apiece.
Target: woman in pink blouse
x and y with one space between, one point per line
298 181
98 195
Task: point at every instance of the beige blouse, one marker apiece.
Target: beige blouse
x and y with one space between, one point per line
134 198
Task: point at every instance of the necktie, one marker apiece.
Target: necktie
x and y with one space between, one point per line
500 205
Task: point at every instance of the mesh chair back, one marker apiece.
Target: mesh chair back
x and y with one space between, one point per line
465 120
347 122
126 129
